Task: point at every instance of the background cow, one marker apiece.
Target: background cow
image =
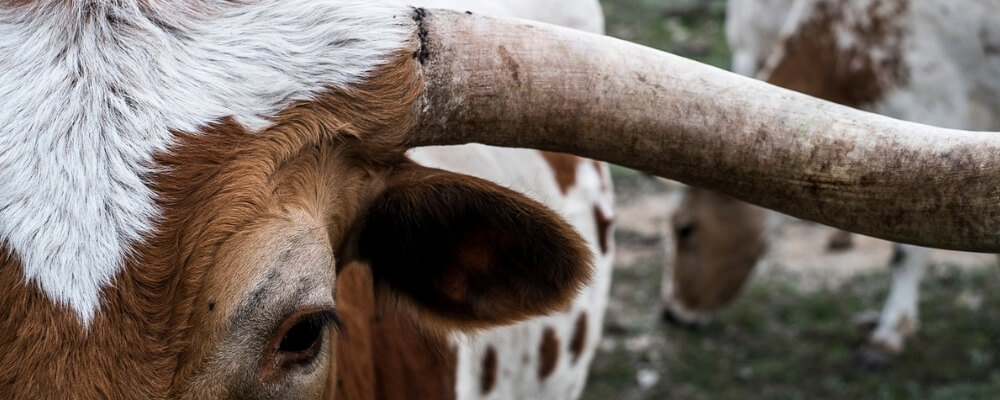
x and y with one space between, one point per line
926 61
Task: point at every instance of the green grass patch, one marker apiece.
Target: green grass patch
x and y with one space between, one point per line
776 342
689 28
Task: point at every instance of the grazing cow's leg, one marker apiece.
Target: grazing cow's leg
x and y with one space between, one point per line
899 317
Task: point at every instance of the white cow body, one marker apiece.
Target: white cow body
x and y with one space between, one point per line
947 51
763 20
933 61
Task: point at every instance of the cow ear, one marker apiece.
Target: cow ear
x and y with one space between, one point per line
467 253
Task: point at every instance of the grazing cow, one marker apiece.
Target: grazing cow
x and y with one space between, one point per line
182 184
926 61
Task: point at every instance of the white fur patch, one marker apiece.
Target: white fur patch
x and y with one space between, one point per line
753 28
91 90
900 315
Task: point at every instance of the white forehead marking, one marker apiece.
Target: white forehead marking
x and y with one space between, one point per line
90 91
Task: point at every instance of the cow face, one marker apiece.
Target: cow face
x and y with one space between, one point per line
232 294
455 250
717 241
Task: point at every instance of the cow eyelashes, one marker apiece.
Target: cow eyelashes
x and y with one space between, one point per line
307 331
297 342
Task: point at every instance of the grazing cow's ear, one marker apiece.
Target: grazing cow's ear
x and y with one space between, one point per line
468 253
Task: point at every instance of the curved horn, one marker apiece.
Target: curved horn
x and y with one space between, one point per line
522 84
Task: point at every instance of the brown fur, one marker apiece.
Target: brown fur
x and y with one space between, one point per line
382 353
719 240
814 64
548 353
411 362
604 230
45 353
488 380
354 350
579 339
468 250
563 168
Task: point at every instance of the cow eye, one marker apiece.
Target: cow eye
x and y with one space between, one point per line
297 342
686 231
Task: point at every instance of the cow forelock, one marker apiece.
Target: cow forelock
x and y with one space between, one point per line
90 92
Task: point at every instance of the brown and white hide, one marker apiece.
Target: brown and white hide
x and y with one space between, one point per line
933 62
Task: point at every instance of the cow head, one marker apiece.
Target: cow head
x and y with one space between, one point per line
229 289
232 295
180 182
717 240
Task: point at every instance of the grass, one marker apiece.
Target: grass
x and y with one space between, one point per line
690 28
777 342
782 343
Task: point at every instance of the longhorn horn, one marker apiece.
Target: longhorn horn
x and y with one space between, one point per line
523 84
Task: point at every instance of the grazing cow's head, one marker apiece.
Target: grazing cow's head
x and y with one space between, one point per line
180 182
717 241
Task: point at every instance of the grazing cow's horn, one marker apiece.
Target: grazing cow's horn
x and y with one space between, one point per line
521 84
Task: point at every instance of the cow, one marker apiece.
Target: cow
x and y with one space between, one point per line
183 183
932 61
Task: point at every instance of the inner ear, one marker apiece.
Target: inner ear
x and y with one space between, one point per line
469 253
